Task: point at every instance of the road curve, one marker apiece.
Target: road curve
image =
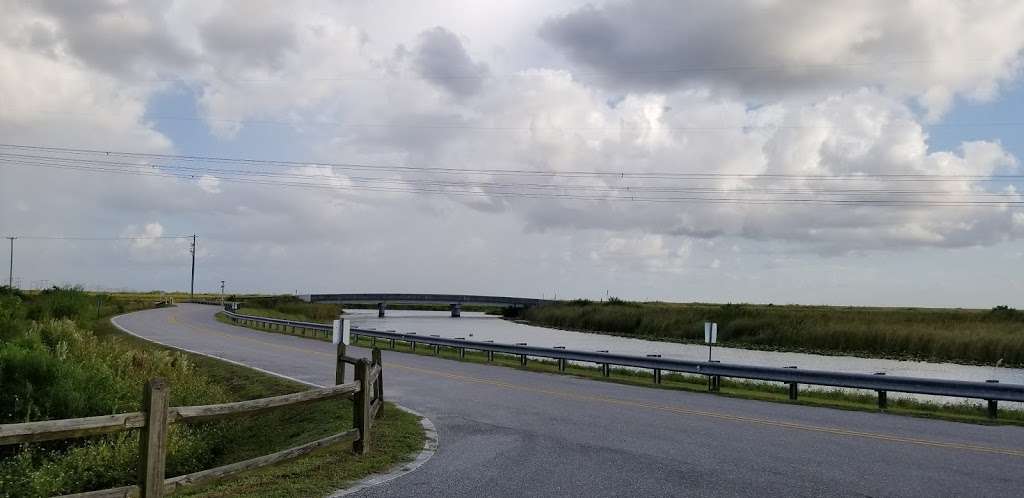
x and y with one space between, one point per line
505 432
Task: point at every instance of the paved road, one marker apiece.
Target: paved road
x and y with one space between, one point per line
505 432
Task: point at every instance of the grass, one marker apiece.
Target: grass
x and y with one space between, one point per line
395 436
764 391
963 336
273 313
55 368
290 308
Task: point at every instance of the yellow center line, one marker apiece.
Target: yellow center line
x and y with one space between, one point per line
641 404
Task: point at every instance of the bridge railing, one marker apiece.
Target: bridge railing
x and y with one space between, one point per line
154 417
991 391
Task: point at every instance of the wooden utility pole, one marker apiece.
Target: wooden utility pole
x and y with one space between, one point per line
192 288
10 274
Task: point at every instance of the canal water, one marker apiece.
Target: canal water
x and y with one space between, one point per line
481 327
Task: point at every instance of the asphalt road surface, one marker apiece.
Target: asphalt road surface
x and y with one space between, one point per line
505 432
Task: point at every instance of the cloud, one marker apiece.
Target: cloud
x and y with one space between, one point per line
209 184
645 92
929 49
245 35
123 38
440 58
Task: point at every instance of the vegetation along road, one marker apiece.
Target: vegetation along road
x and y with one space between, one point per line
994 336
506 432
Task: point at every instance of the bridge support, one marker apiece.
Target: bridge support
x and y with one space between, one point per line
456 310
381 307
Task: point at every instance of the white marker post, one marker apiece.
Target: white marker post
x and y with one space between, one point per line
342 331
710 335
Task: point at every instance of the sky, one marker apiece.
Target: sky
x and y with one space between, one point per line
649 150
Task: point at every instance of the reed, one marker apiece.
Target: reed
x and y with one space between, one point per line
966 336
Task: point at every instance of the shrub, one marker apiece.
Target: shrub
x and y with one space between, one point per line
53 368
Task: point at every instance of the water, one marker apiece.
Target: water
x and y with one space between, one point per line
481 327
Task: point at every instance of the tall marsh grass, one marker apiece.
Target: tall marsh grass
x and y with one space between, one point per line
291 307
968 336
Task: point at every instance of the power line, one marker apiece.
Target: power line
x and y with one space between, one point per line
637 199
64 237
531 128
564 173
629 188
522 194
637 192
376 76
10 277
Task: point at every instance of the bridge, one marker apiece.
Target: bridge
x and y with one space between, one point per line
455 301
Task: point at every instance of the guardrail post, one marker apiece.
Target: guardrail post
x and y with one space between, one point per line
339 364
437 349
522 357
606 369
793 388
657 371
378 384
153 439
361 408
561 361
883 396
714 381
993 405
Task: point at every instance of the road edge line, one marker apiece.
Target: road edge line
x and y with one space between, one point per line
430 443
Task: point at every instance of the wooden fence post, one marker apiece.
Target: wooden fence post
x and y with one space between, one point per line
153 439
361 408
339 365
378 385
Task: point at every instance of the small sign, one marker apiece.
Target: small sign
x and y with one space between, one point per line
342 331
710 332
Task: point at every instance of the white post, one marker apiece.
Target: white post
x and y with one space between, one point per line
342 331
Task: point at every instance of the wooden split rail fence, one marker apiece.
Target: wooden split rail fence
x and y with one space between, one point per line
154 417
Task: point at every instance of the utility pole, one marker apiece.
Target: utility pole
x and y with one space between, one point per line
222 293
192 288
10 274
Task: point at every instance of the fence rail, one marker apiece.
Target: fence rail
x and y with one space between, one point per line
366 391
992 391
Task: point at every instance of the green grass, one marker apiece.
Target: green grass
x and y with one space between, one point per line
291 308
963 336
55 368
765 391
273 313
396 435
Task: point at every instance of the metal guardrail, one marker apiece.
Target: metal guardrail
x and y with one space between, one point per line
991 391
